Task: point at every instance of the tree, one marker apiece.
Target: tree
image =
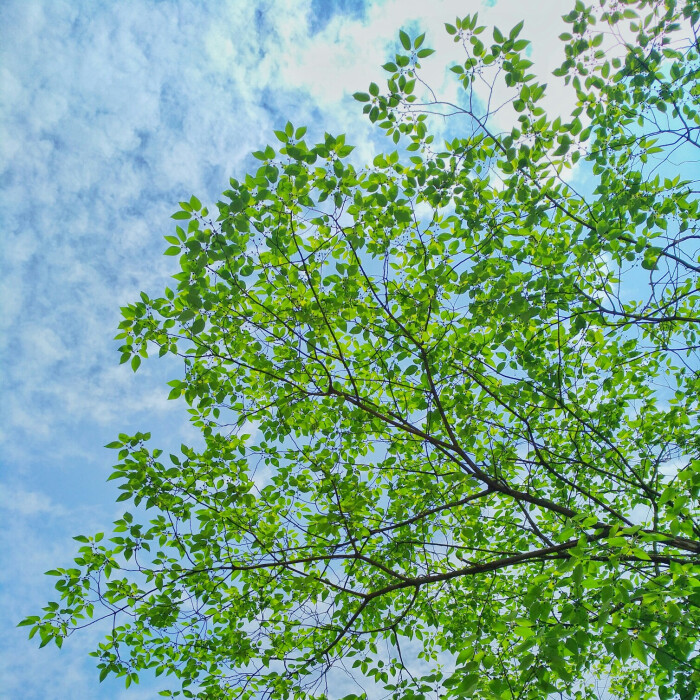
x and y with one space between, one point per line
449 404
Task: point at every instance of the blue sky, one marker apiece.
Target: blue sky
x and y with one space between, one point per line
111 113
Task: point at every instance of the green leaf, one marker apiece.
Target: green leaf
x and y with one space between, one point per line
625 649
468 685
405 40
32 620
665 660
197 326
639 651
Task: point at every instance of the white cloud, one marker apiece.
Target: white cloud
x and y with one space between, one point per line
27 503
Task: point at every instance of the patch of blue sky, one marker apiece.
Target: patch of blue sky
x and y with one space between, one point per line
322 11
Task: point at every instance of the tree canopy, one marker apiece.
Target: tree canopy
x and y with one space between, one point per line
448 401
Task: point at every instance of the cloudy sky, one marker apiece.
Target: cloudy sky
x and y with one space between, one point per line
110 113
